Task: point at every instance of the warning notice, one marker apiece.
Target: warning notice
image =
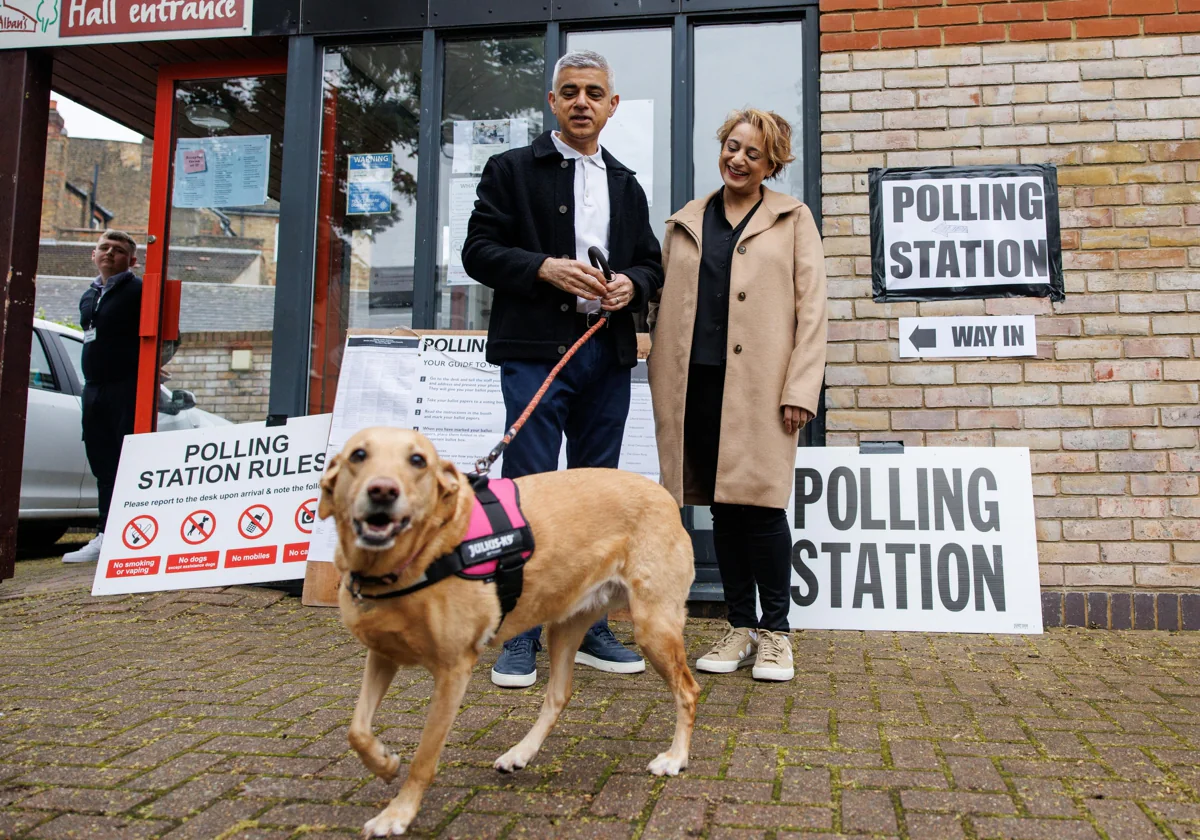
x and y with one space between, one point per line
213 506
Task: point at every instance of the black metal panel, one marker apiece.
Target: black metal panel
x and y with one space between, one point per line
812 117
487 12
601 9
291 341
428 138
326 16
682 80
276 17
744 6
555 47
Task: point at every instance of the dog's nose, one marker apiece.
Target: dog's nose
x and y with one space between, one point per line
383 490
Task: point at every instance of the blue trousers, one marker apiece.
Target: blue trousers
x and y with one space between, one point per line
588 402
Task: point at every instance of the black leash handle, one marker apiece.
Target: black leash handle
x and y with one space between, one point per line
598 261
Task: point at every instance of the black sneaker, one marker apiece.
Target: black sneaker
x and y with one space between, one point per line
516 667
602 651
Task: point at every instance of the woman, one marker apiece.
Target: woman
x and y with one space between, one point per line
735 373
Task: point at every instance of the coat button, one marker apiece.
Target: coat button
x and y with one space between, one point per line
565 307
564 164
562 208
737 348
741 295
741 249
562 348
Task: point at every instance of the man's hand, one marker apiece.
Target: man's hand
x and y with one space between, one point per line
795 418
619 295
575 277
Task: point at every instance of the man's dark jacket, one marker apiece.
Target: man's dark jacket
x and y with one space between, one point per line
524 214
115 316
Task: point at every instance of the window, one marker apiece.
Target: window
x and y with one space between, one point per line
493 90
41 374
367 201
773 81
73 350
639 135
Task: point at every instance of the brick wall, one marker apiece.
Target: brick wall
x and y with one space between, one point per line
891 24
201 365
1110 407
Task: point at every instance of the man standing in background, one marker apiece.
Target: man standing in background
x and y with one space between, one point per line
109 312
539 209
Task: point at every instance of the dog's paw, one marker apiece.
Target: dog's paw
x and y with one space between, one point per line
387 824
512 761
666 764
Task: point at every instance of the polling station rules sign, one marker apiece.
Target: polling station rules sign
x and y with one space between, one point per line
214 506
957 232
931 539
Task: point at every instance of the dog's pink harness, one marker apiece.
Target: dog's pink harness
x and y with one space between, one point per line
497 544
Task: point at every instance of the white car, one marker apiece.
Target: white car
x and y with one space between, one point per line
58 489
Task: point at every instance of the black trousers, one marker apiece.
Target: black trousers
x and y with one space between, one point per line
754 544
108 409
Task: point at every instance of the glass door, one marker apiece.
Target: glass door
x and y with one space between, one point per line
209 288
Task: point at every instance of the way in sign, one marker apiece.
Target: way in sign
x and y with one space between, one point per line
998 335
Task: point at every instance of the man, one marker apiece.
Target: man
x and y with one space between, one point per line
539 209
109 312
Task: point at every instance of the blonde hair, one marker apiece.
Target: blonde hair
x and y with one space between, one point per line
120 236
776 132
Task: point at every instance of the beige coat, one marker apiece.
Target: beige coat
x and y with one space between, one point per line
776 349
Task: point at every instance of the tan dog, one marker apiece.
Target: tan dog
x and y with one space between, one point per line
603 537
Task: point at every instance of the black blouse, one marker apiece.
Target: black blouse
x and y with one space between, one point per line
712 299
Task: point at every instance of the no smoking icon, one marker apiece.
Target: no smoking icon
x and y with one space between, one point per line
198 527
255 521
140 532
306 515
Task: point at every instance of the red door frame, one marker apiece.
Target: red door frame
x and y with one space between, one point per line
152 327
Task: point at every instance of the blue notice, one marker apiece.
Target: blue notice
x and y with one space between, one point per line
369 184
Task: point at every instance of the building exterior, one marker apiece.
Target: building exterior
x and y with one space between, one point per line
1106 90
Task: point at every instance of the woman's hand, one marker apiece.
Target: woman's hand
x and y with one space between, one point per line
795 418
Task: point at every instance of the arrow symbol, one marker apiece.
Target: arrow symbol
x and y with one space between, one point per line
922 338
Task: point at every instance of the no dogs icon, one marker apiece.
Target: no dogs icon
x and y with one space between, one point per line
255 521
140 532
197 527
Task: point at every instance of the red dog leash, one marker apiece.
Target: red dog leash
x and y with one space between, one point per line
483 465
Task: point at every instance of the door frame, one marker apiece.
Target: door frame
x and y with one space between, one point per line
150 327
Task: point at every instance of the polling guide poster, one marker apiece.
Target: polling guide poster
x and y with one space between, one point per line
215 506
222 171
442 385
957 232
932 539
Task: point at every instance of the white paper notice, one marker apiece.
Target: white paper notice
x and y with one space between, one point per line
629 137
222 171
462 203
477 140
639 448
374 387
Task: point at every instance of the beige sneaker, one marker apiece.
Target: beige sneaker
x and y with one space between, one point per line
735 649
774 660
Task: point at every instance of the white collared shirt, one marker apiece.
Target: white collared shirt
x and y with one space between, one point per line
591 208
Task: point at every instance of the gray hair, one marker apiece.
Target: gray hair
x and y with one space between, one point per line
585 58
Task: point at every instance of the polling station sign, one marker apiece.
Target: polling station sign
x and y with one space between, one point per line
932 539
958 232
214 506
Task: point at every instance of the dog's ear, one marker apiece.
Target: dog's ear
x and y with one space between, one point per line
449 480
328 482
